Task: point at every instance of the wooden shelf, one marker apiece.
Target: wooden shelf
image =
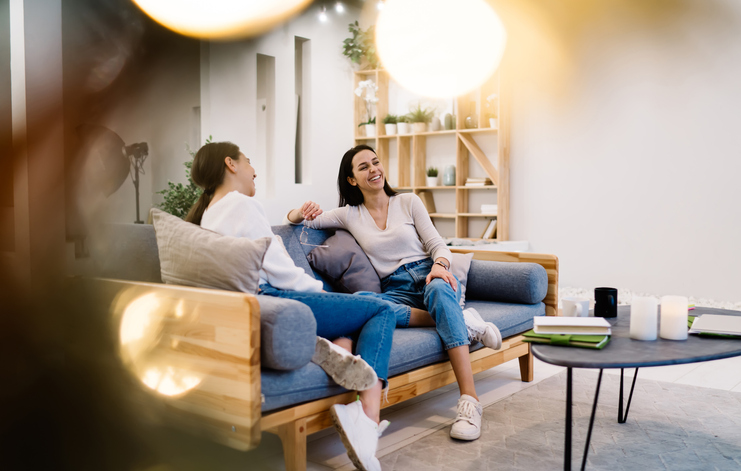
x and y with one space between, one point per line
409 154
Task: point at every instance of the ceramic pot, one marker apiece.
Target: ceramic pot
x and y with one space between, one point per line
403 128
370 130
431 181
390 129
435 124
493 123
419 127
449 176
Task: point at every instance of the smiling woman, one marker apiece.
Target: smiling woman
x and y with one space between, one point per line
221 19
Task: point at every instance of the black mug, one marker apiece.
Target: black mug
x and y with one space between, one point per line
605 302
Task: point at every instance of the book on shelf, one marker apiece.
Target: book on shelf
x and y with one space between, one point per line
584 341
489 209
427 200
572 325
472 181
491 230
716 324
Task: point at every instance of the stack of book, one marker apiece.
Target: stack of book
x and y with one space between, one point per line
489 209
490 232
471 181
716 325
586 332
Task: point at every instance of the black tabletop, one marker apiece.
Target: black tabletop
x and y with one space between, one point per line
624 352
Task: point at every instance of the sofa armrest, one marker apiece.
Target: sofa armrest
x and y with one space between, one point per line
195 350
287 333
547 261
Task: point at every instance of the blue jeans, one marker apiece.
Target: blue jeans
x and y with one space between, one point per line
407 287
368 320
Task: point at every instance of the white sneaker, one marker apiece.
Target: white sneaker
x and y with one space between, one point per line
480 331
359 434
467 425
348 370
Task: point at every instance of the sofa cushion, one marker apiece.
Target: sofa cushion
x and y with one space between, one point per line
412 348
287 333
127 252
344 264
525 283
192 256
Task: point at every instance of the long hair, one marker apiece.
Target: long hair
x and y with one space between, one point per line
208 173
350 194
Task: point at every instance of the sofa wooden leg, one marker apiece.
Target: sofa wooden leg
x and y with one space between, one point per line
293 436
526 366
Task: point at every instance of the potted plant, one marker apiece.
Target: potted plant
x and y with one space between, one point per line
367 91
432 176
390 123
361 47
419 117
402 123
491 108
179 198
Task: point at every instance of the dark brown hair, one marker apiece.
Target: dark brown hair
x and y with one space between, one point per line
350 194
208 173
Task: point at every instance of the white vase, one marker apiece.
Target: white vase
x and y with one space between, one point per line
419 127
390 129
431 181
435 124
493 122
403 128
370 130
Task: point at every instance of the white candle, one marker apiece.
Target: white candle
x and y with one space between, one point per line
643 318
673 318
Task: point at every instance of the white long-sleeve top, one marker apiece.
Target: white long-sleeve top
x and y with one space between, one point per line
239 215
409 235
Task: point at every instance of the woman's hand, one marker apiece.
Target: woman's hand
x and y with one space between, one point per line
440 272
309 211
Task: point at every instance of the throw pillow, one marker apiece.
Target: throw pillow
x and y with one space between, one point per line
344 264
193 256
459 266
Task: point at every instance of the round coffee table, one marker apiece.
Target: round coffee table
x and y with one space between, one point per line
623 352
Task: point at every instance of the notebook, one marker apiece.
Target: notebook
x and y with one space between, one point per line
571 325
585 341
717 324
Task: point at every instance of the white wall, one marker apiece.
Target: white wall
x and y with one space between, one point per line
228 100
625 147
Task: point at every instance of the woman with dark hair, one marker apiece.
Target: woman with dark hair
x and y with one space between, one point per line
227 206
396 233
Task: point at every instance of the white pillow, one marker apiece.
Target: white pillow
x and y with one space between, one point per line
459 267
193 256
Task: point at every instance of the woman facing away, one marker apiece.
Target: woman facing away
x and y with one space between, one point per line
396 233
227 207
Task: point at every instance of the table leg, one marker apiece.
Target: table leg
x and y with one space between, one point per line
622 418
591 421
567 444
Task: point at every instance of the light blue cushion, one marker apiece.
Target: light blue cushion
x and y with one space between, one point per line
507 282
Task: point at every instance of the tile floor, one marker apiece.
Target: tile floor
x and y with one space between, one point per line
422 416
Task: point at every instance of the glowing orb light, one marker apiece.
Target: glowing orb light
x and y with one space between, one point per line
221 19
440 48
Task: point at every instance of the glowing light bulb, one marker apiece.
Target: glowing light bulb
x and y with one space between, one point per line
221 19
339 7
379 5
438 48
323 15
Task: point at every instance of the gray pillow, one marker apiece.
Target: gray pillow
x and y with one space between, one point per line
193 256
344 264
287 333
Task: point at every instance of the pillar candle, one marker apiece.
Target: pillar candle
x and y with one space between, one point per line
643 318
673 318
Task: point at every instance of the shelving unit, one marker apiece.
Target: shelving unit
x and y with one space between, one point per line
411 152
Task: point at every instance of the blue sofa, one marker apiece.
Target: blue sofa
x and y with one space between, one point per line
509 289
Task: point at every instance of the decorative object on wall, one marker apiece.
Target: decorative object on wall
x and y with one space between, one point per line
361 47
432 176
408 40
221 19
449 176
367 91
179 198
116 160
389 123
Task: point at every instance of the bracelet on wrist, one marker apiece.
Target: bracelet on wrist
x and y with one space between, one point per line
442 265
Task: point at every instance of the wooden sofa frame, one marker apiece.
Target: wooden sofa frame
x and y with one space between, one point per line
218 338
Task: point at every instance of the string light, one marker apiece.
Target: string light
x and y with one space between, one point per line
379 5
339 7
323 15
